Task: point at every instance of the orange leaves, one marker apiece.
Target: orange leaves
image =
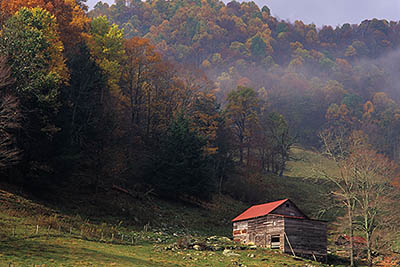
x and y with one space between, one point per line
205 119
10 7
368 109
396 182
334 92
336 112
71 19
140 51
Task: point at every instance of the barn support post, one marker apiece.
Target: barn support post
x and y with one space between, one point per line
315 258
287 239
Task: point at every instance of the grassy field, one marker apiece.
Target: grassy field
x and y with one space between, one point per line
65 251
114 229
32 234
305 163
69 252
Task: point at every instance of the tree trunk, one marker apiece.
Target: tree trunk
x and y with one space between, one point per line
241 149
248 156
350 214
263 160
369 250
283 163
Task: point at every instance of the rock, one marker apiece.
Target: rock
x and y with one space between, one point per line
229 253
196 247
253 247
224 239
251 255
216 248
212 238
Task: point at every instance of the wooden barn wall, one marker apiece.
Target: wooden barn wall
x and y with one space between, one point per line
306 236
261 229
240 233
288 209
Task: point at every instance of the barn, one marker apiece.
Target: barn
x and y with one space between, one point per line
282 226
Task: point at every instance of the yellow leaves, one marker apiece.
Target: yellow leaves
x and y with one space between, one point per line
112 69
71 19
42 20
296 45
350 52
106 47
296 64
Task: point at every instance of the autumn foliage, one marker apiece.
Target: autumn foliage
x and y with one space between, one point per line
180 99
71 19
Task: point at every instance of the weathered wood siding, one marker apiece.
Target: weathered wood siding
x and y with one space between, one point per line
261 229
307 237
288 209
240 233
297 233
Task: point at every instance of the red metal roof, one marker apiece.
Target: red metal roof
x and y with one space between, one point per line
259 210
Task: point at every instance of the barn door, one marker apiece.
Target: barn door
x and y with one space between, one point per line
275 242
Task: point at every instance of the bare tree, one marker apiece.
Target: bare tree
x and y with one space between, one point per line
336 149
363 184
373 174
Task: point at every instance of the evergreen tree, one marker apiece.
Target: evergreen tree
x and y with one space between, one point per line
181 166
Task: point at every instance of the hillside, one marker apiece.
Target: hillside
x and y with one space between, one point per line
73 228
113 228
34 233
317 78
151 124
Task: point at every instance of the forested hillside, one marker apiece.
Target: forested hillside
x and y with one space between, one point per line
190 100
315 77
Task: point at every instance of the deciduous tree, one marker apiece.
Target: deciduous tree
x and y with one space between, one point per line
106 43
242 112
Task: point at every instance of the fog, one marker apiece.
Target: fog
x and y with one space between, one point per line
333 12
326 12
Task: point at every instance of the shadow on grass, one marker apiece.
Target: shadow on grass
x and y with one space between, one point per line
68 252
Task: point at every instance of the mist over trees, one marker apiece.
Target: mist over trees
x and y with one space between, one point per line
81 103
305 73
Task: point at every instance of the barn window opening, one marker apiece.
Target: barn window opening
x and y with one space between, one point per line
275 242
287 205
